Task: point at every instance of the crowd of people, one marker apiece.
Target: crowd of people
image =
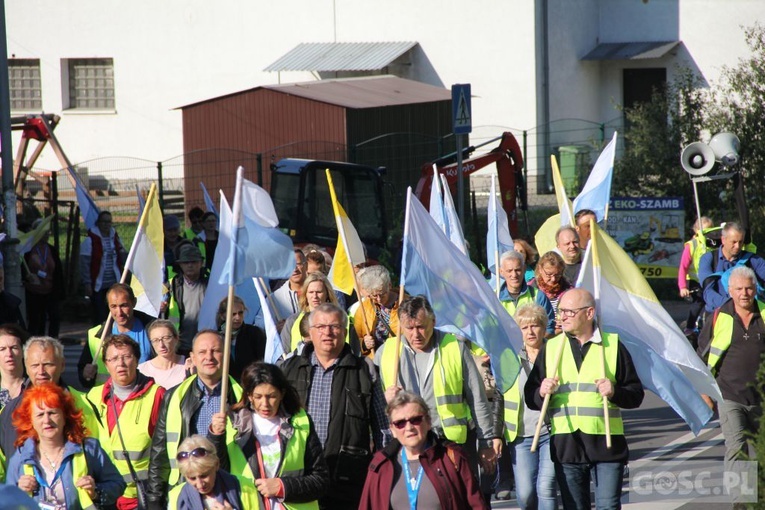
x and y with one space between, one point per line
371 407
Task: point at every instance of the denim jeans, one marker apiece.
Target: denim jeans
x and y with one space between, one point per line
534 473
574 482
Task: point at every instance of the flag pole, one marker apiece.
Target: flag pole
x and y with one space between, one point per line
126 269
397 344
496 272
596 261
236 221
497 285
269 298
546 403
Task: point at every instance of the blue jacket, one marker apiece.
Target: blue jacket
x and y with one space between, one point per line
108 480
714 291
540 298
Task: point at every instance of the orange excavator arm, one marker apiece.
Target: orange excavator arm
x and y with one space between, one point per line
509 160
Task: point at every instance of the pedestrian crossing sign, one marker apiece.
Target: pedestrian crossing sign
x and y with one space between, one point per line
461 109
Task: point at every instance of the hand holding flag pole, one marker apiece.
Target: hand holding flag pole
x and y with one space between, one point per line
546 403
596 295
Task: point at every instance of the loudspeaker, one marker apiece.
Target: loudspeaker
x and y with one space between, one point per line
725 147
697 159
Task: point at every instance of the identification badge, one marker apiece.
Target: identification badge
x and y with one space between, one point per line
51 506
41 273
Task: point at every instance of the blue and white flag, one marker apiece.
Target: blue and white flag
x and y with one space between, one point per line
209 204
274 347
498 239
453 225
258 247
88 208
463 303
597 190
436 208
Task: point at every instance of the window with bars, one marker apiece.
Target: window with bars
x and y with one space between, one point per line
25 86
91 83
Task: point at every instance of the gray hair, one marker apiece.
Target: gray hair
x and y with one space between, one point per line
413 305
512 255
329 308
730 226
531 313
743 272
564 229
199 465
45 343
206 332
403 398
374 278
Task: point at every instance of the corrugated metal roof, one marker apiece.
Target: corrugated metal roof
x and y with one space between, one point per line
368 92
631 50
370 56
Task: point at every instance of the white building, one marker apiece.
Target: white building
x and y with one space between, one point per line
529 62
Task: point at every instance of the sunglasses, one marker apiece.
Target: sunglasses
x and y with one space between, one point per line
414 420
196 453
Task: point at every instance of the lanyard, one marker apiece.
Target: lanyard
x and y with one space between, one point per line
41 480
40 253
412 484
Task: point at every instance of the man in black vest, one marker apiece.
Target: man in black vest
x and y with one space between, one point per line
344 400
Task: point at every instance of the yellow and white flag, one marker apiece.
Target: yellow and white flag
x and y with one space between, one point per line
545 236
350 249
27 240
665 361
146 259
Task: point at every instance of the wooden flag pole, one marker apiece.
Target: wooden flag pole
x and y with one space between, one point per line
496 271
270 297
397 344
605 399
546 403
596 258
226 351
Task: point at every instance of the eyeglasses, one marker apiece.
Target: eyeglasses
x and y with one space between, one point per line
414 420
552 275
164 340
335 328
565 312
125 358
196 453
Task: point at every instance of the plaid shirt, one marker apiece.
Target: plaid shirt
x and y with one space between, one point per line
319 404
200 423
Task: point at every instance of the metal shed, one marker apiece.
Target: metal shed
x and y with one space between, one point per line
378 121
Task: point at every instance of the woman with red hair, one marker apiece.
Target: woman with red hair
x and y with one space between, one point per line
54 461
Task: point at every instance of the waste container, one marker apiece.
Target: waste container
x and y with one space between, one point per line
574 162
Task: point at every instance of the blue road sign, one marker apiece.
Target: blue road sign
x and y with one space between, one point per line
462 119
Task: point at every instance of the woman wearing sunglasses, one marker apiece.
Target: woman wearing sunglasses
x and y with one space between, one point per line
207 486
278 444
416 469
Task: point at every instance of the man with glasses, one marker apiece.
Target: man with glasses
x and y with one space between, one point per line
343 399
128 409
102 257
594 366
126 320
192 407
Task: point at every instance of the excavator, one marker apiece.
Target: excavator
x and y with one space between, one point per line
509 159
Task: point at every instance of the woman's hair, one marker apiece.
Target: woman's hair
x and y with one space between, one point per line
193 464
531 252
531 313
305 325
315 277
14 331
317 257
556 262
209 214
403 398
220 316
374 278
258 373
120 341
55 397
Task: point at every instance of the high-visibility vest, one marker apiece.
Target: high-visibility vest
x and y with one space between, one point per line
134 420
451 407
89 419
2 466
512 409
293 463
174 423
94 342
296 338
79 469
247 493
526 298
577 404
722 336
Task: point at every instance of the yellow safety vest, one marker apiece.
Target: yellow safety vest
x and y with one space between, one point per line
174 424
577 404
79 469
451 407
247 493
526 298
134 420
722 336
94 341
89 419
296 337
293 463
2 466
512 406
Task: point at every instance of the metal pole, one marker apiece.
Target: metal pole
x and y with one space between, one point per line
12 265
460 183
54 210
160 187
259 162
